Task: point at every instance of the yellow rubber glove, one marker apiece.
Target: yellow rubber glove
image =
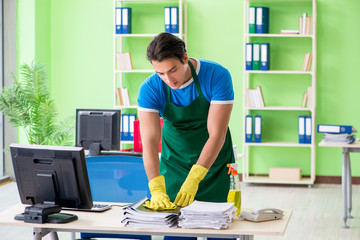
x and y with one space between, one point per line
159 199
189 188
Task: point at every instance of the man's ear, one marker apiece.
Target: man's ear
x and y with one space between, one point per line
185 58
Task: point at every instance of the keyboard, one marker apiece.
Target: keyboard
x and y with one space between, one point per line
96 208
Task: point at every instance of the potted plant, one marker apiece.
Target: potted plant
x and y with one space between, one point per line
28 104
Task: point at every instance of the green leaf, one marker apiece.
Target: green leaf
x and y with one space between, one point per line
28 104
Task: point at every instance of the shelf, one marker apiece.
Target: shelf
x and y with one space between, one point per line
279 35
279 144
282 108
126 107
278 72
263 179
121 41
283 76
136 71
146 0
262 1
141 35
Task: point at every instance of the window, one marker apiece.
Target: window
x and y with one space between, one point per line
1 86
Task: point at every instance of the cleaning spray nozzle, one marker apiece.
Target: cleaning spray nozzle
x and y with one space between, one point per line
232 167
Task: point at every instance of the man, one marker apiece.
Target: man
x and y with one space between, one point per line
194 98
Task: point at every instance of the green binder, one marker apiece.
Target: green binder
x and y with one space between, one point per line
252 21
256 56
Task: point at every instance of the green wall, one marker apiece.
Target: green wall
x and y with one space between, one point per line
75 39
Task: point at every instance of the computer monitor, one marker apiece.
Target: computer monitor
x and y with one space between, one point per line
49 178
98 129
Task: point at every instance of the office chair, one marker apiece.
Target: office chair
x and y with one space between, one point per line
117 178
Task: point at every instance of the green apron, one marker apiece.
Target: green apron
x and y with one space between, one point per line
184 136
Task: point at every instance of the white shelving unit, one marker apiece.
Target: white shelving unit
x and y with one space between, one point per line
247 77
118 75
118 45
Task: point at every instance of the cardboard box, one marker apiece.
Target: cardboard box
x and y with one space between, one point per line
286 174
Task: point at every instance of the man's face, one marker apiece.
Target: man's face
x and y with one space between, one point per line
172 71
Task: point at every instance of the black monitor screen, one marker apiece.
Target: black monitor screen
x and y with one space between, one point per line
51 177
98 130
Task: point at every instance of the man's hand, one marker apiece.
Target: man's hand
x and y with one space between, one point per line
159 199
189 188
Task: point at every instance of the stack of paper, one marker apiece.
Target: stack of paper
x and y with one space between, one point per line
338 138
124 61
138 216
254 97
207 215
307 62
123 98
337 134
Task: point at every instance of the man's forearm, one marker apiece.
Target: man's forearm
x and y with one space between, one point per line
210 151
151 164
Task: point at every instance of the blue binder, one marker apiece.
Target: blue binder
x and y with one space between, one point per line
174 20
262 20
132 118
326 128
118 20
125 130
257 129
301 129
126 20
265 56
248 128
167 17
308 129
249 56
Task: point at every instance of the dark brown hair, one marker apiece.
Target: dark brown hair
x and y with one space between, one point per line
164 46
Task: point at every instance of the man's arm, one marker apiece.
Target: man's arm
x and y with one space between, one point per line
218 120
150 137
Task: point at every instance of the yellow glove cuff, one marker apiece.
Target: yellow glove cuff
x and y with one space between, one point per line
198 172
157 184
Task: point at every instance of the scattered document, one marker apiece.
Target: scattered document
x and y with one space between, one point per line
138 216
212 215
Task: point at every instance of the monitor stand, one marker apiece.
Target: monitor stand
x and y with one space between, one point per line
45 213
94 149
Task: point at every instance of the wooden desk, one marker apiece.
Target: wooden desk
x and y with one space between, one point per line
346 180
110 222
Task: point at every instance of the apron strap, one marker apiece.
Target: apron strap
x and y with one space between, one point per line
197 84
196 81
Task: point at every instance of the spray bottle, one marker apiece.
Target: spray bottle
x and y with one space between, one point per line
235 190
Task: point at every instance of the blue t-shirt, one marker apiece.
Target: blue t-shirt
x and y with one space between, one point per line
215 83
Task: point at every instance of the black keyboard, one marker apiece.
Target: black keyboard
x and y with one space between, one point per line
96 208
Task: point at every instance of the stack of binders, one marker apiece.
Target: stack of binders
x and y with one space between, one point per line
257 56
127 127
338 134
305 129
250 131
258 20
122 20
171 19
